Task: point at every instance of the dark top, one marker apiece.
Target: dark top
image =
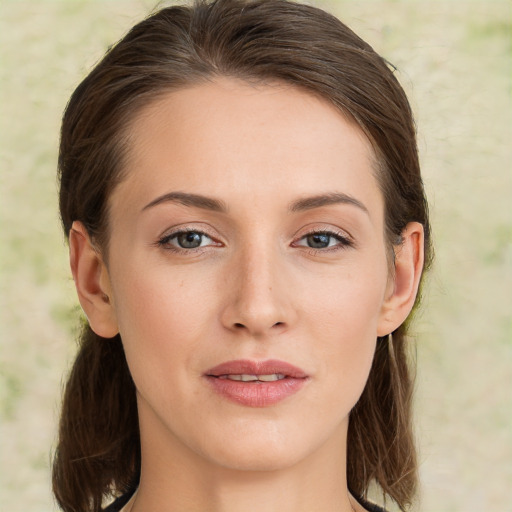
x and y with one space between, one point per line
117 505
123 500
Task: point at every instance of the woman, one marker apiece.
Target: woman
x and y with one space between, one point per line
248 229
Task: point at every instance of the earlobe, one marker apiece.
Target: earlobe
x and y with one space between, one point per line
408 267
92 282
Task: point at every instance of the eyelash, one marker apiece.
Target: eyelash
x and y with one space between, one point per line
344 241
165 241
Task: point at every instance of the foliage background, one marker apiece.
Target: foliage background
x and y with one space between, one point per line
455 60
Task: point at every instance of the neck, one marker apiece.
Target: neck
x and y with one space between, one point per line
173 478
228 491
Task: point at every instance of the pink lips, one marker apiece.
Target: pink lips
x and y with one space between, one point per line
256 393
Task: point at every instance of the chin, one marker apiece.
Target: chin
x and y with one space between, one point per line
269 447
256 457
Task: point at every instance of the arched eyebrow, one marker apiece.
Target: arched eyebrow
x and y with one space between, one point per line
217 205
195 200
309 203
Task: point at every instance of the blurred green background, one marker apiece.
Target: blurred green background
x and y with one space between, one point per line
454 58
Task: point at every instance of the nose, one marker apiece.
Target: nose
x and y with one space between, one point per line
259 296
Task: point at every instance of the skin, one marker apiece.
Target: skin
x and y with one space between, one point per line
254 289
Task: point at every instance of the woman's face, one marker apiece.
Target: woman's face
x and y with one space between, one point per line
248 236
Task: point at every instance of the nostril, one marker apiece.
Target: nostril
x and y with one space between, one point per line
240 326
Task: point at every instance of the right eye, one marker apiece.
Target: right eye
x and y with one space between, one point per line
185 240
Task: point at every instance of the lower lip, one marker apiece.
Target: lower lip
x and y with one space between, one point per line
256 393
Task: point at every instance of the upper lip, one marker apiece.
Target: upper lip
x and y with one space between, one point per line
248 367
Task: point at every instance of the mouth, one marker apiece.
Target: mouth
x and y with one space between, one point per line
244 377
256 384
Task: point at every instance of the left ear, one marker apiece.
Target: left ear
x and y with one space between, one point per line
404 284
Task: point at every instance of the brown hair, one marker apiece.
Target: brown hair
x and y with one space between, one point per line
98 453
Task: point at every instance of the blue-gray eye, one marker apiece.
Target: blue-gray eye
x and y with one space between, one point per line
324 240
189 239
185 241
319 240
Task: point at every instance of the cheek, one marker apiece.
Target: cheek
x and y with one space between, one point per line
162 319
160 300
348 301
343 316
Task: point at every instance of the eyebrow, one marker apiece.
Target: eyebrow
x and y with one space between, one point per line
216 205
195 200
308 203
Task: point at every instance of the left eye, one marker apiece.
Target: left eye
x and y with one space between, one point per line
187 240
322 240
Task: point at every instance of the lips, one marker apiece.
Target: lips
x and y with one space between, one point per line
256 383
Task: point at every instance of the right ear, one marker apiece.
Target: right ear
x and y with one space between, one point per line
92 282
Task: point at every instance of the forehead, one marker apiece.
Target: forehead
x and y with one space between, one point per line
237 141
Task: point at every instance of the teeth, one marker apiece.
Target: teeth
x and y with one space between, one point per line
270 378
252 378
248 378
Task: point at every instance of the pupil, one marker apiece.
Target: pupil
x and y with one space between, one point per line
318 241
189 240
